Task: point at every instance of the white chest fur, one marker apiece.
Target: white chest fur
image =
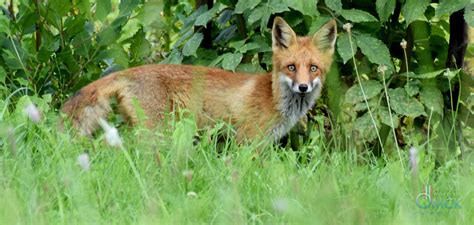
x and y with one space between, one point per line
293 106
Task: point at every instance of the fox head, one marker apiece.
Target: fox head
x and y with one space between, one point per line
301 62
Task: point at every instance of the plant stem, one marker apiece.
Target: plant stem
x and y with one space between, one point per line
363 92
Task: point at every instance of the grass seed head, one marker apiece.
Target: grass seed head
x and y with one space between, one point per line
33 113
84 162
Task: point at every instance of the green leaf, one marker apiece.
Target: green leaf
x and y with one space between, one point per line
204 18
140 46
257 14
192 44
375 50
362 106
175 57
335 5
264 12
60 7
364 126
384 116
84 7
447 7
107 36
4 25
306 7
469 15
412 88
250 68
243 5
414 9
357 16
117 54
427 75
344 47
432 98
385 8
405 105
231 60
371 89
237 44
103 8
148 14
249 46
127 6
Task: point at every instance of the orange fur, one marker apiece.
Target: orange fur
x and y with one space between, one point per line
252 103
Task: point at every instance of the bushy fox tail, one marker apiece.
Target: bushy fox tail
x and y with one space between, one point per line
92 103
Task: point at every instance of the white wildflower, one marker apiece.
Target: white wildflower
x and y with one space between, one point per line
403 44
382 68
347 27
280 205
33 113
84 162
111 134
192 194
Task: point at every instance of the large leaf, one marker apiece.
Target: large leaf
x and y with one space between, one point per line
264 11
307 7
204 18
335 5
403 104
371 89
192 44
431 97
365 128
243 5
60 7
127 6
344 47
384 116
447 7
4 24
412 88
102 9
231 60
385 8
140 46
375 50
357 15
414 9
469 15
148 16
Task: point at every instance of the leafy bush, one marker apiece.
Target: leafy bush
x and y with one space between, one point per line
56 47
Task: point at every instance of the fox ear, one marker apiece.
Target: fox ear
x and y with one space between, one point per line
282 34
325 38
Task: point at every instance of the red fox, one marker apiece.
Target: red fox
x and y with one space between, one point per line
266 105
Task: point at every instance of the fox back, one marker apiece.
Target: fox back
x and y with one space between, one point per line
255 104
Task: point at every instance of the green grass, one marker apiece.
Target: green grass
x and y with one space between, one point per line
151 180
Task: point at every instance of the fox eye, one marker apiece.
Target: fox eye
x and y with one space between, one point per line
291 68
313 68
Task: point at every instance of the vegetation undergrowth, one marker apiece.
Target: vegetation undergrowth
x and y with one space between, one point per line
390 141
166 177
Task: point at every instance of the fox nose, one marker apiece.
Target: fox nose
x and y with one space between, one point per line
303 87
